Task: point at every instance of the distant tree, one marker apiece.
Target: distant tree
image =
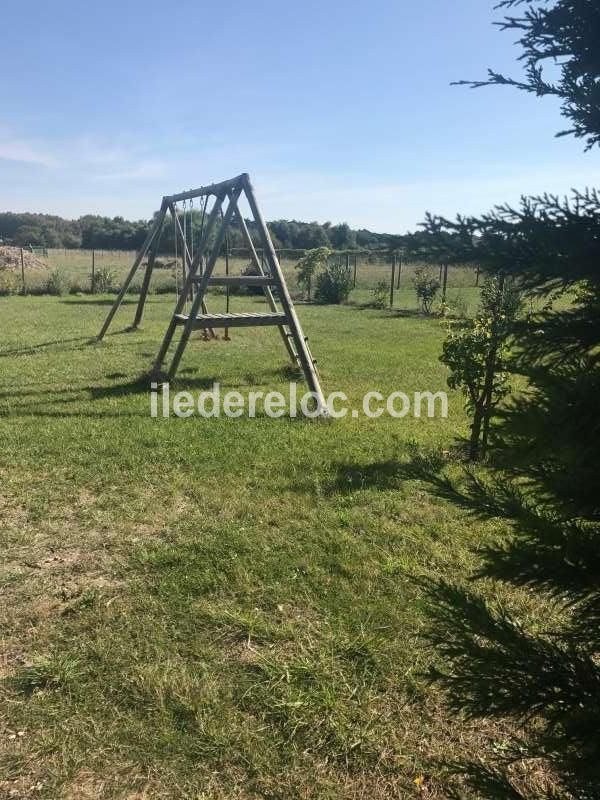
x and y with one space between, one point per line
311 236
342 237
562 36
117 233
30 234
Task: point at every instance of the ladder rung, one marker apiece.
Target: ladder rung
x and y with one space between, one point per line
238 280
233 320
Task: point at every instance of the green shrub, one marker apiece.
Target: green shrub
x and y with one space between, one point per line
426 286
309 266
165 287
380 295
56 283
103 281
334 284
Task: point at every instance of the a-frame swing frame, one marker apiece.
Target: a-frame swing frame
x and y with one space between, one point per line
198 271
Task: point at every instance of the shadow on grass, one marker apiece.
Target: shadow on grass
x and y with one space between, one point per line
547 679
28 350
76 301
39 401
544 677
385 475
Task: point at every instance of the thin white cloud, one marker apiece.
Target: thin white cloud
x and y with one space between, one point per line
12 149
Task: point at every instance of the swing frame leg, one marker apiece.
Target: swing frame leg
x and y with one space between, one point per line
152 233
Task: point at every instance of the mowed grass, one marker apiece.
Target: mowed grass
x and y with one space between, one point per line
216 608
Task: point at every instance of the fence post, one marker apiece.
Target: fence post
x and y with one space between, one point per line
393 281
93 272
445 283
22 273
354 273
477 276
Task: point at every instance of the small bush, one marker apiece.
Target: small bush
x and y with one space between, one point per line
76 288
426 286
380 295
103 281
309 266
249 271
457 305
56 284
334 284
165 287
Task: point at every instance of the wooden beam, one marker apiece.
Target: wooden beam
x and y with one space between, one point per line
138 260
231 320
152 252
238 280
217 189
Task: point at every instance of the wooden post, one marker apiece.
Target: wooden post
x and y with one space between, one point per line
477 275
93 272
441 272
444 283
226 333
138 260
399 272
22 273
354 273
393 281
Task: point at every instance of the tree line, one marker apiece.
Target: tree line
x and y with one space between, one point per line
116 233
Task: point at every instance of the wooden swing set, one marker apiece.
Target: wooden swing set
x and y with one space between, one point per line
198 264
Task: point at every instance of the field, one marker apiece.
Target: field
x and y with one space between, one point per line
216 608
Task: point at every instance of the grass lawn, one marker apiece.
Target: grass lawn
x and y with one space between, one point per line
222 608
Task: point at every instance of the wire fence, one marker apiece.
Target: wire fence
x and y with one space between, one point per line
378 278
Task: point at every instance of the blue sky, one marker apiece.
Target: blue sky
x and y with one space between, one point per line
340 111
